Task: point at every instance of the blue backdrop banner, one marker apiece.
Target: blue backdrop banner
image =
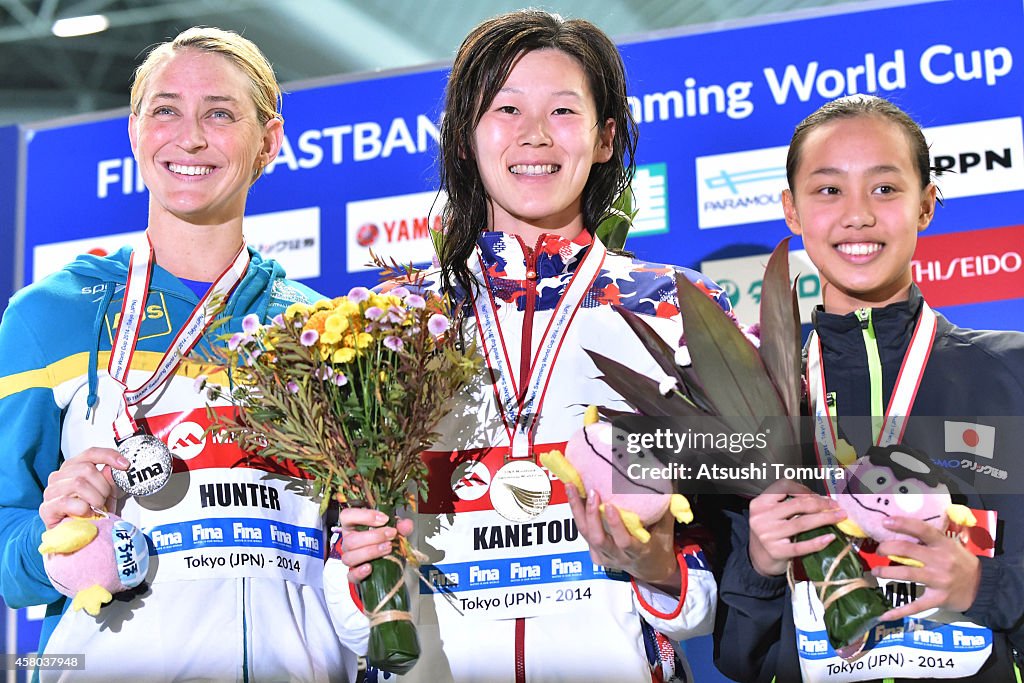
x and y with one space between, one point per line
716 110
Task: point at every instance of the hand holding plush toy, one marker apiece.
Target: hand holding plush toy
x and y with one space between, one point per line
894 481
90 559
590 464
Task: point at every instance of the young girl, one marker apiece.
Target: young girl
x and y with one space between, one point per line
859 194
527 583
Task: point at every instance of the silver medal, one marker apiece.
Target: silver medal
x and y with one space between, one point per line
520 490
149 467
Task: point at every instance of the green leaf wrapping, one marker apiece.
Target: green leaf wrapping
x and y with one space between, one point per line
393 645
849 619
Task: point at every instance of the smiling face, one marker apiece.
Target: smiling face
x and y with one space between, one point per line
536 143
198 140
857 201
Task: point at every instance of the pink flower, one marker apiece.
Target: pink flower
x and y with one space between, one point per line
309 337
400 292
415 301
340 379
373 313
199 384
438 324
278 320
236 340
393 343
250 323
358 295
293 387
395 314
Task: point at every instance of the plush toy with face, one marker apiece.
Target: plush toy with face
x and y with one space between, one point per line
590 463
89 559
896 481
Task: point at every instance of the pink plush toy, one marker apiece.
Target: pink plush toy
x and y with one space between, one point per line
90 559
895 481
589 464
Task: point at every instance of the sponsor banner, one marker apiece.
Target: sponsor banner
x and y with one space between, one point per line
967 267
392 228
741 278
291 237
49 258
740 187
978 158
650 194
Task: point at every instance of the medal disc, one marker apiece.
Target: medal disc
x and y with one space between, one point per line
520 490
149 467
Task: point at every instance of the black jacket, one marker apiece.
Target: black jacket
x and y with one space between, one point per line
972 376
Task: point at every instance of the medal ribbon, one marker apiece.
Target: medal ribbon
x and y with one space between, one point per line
905 391
140 272
519 412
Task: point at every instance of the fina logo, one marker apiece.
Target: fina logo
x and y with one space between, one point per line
740 187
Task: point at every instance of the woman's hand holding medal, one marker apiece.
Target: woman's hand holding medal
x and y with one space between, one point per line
82 483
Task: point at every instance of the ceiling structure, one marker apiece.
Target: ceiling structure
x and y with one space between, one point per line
45 77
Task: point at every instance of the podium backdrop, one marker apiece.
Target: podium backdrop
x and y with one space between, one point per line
716 108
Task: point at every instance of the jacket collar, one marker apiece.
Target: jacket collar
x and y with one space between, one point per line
507 256
894 324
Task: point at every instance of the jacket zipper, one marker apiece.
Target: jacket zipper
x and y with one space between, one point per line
525 358
867 330
526 348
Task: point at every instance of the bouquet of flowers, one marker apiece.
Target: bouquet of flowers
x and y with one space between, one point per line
350 390
723 378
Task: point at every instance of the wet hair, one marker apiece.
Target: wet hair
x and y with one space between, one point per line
856 106
243 53
482 65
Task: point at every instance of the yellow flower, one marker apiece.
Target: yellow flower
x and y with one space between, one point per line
295 310
345 307
337 323
323 305
330 337
363 339
384 300
343 355
316 322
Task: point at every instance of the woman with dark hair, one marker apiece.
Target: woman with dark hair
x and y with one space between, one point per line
860 191
527 581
